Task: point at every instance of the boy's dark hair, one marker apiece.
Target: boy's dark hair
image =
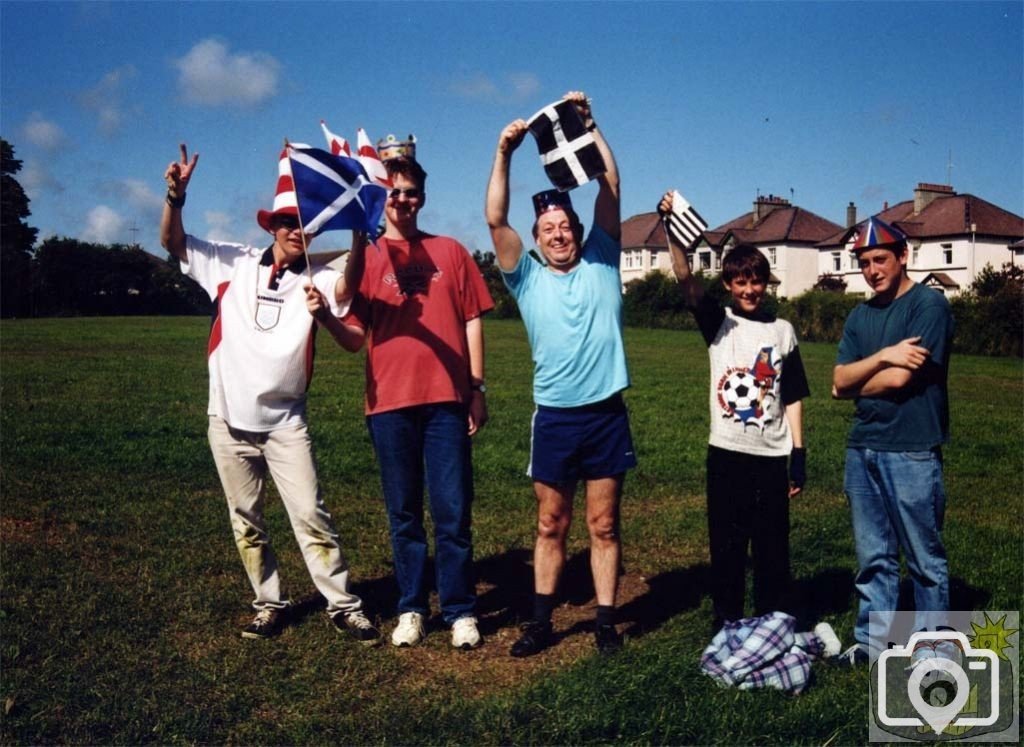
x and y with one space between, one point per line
747 261
407 167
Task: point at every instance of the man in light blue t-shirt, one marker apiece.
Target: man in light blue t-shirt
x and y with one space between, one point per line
570 298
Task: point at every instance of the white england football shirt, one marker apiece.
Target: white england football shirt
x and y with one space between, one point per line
260 353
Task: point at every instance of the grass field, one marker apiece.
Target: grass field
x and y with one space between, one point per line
122 593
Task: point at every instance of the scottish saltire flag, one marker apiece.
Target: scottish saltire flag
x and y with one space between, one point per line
684 223
334 192
567 150
336 143
370 159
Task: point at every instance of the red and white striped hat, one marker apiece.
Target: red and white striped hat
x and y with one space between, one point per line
285 202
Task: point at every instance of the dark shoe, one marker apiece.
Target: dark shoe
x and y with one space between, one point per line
607 638
536 637
267 623
356 625
852 658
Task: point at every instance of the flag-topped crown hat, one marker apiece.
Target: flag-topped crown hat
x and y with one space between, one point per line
876 233
391 147
284 199
551 199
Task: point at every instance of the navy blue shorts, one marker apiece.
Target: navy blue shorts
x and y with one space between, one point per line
588 442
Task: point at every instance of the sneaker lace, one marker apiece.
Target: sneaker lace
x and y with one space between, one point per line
264 616
358 620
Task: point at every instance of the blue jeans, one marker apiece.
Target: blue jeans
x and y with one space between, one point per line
897 501
428 443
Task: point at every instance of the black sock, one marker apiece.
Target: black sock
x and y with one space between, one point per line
543 604
605 614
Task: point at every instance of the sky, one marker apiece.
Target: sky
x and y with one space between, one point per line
822 103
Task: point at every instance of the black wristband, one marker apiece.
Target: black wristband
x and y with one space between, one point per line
176 202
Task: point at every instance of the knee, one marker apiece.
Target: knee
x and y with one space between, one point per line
553 526
603 528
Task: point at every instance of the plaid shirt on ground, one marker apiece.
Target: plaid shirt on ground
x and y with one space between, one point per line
762 652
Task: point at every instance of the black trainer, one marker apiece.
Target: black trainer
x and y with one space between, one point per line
607 638
536 637
358 626
267 623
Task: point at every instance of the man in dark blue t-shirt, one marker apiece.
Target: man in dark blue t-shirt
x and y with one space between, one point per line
894 362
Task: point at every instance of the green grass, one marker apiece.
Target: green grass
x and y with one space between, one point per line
121 593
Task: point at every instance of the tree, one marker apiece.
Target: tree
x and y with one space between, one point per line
504 305
830 282
16 238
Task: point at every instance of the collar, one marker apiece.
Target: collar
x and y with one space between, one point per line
267 260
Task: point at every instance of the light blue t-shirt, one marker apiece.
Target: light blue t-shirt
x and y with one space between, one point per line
574 324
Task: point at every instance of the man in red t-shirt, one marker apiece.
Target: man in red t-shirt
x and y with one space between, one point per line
418 310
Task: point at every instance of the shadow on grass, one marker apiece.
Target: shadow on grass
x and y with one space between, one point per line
505 595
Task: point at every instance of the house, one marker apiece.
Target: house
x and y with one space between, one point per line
787 234
951 238
644 247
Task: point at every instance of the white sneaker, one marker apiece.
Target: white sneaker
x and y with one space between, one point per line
409 630
828 637
465 634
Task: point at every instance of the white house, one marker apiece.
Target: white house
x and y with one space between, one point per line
787 235
951 238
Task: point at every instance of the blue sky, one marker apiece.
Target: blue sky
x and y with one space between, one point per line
824 103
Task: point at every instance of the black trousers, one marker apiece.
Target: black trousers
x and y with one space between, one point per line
748 505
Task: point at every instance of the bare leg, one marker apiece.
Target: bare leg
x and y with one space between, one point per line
603 497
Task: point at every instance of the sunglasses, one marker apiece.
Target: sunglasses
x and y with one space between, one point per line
410 194
284 221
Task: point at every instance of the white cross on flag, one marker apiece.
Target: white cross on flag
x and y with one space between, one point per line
567 150
684 223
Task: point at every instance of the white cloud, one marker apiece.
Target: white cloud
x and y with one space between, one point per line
103 225
219 226
210 75
104 99
35 178
43 133
511 88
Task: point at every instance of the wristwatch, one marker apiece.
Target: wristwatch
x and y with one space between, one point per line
481 387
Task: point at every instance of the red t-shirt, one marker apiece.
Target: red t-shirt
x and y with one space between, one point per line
414 301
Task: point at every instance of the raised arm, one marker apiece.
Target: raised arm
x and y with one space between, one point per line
355 263
692 287
883 372
607 213
508 246
172 230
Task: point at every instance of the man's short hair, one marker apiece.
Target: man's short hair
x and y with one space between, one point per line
409 168
747 261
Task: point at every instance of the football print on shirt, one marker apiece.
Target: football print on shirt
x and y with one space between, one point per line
745 394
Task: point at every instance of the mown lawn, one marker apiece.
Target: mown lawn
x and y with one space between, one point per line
121 594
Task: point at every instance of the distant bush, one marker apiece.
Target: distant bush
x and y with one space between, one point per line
990 315
818 315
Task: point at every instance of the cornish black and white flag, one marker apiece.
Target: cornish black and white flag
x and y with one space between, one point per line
567 150
684 223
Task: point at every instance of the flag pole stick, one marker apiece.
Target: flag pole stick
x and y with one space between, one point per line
298 212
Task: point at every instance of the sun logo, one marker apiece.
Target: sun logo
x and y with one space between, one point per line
992 636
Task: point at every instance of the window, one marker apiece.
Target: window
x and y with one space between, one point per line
718 261
705 260
837 262
771 254
947 253
915 256
853 262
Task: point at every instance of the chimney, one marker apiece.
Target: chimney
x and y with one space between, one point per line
765 205
926 193
851 215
